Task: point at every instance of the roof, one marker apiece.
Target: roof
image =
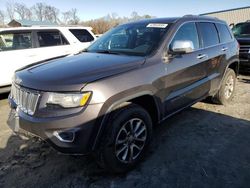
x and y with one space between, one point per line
175 19
226 10
43 28
158 20
32 23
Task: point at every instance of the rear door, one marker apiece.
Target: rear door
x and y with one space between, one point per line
50 44
216 52
186 74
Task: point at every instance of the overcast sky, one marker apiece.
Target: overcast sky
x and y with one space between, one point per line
91 9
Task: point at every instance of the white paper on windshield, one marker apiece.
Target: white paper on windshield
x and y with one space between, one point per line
157 25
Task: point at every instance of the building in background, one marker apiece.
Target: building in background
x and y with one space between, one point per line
232 16
29 23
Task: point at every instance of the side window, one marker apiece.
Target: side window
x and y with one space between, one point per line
15 41
51 38
187 32
82 35
209 34
224 33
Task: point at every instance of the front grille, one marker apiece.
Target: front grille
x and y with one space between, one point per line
244 49
25 99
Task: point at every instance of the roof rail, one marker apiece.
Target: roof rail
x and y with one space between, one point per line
188 15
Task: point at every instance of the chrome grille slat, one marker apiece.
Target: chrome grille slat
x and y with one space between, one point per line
26 100
31 102
244 48
21 99
18 96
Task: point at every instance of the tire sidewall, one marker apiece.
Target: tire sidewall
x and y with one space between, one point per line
115 124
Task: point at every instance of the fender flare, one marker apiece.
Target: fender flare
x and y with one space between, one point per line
107 109
227 67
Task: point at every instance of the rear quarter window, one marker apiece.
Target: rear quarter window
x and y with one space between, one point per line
82 35
209 34
224 33
51 38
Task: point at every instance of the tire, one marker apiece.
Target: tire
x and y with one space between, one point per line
116 155
226 92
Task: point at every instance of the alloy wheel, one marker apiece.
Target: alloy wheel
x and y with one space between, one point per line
229 87
130 140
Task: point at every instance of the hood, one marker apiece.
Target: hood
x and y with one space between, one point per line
72 73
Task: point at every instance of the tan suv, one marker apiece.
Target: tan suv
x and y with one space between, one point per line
108 99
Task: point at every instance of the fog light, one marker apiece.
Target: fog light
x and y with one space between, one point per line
67 136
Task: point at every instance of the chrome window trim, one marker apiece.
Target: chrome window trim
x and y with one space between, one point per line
198 21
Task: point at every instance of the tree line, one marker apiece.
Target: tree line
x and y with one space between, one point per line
44 12
38 12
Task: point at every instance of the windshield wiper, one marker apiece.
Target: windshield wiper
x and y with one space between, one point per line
107 52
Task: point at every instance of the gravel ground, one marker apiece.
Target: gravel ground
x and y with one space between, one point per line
205 145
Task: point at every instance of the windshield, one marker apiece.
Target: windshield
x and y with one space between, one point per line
241 30
131 39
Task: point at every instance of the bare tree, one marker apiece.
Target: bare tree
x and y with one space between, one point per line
99 26
10 8
74 18
135 16
23 11
2 17
39 9
66 16
70 17
51 13
44 12
109 21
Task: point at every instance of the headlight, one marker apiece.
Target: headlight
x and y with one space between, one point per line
69 100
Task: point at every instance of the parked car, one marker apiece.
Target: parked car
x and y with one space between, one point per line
108 99
23 46
242 34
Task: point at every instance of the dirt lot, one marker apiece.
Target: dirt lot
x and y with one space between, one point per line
204 146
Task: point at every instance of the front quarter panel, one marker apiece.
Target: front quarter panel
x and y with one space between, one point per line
144 79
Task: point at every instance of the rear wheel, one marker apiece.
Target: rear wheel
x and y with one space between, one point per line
126 140
226 91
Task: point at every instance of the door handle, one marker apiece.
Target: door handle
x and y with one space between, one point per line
201 56
224 49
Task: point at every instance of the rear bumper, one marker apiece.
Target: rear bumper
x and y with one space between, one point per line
79 129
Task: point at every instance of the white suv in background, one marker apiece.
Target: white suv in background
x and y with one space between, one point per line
22 46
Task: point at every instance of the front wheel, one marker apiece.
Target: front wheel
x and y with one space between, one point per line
227 89
126 139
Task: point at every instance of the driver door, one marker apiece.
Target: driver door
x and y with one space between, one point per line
186 72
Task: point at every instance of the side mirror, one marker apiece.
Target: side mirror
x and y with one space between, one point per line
182 47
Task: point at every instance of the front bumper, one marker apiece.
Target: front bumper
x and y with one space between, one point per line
245 65
244 61
82 125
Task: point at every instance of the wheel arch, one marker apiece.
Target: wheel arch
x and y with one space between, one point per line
234 64
152 107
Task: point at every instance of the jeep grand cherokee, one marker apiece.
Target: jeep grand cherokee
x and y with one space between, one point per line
107 99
